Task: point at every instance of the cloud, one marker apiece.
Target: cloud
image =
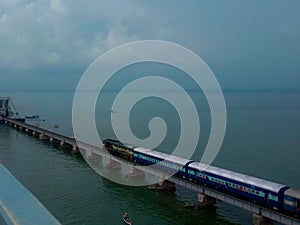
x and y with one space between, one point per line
59 33
50 36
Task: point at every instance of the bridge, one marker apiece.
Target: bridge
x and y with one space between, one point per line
18 205
42 133
206 196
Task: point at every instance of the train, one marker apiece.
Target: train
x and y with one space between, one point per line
278 197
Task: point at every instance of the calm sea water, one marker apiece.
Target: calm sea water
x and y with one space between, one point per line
262 139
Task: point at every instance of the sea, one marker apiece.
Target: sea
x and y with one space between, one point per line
262 139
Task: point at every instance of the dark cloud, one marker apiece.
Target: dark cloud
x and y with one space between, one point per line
243 42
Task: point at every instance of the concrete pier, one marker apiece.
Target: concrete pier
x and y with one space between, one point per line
53 140
205 201
112 164
134 172
261 220
167 185
163 185
43 137
75 149
90 155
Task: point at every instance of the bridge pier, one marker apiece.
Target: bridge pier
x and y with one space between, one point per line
43 137
62 144
167 185
163 185
112 164
52 139
91 155
205 201
75 149
261 220
134 172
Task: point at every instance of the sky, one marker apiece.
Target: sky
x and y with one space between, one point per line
48 44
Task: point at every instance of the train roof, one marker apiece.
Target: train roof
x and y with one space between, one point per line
117 142
268 185
293 192
172 158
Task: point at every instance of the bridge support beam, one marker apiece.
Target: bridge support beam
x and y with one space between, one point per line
261 220
205 201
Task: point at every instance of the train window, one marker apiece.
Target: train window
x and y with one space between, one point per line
191 172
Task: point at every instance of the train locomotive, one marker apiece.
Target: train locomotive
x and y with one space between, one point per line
268 194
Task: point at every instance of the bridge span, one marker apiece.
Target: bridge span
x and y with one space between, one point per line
206 196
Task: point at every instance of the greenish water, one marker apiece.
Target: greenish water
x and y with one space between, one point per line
262 139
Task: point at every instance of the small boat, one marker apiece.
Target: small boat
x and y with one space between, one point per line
127 219
188 205
32 116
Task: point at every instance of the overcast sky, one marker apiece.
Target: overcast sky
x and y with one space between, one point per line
48 44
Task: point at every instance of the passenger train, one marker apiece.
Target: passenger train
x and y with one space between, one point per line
276 196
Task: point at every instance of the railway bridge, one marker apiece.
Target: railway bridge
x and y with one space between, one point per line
206 196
